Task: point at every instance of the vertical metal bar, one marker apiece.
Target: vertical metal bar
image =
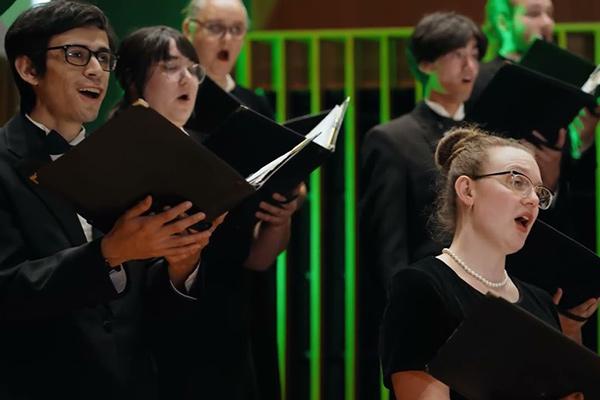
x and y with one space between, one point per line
562 38
278 71
315 339
384 116
384 79
279 77
243 65
350 220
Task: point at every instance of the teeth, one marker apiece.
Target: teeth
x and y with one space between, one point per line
91 90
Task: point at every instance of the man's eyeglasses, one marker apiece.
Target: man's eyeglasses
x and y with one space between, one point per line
521 184
176 72
79 55
219 30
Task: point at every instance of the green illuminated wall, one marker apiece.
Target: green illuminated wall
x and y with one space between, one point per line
270 70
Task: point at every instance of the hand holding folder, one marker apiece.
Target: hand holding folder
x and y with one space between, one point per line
140 153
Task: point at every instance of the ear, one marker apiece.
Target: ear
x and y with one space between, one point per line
26 70
465 190
188 28
426 67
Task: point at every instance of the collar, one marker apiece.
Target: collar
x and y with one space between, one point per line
230 84
437 108
78 139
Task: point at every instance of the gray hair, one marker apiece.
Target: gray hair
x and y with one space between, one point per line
195 6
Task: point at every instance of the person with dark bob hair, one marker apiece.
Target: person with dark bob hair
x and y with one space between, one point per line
159 65
397 172
490 193
147 49
73 302
438 34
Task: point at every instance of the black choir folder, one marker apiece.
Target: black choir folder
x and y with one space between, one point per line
550 259
226 122
501 352
549 59
139 153
519 100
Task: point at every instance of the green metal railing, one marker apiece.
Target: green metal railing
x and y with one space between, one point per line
387 60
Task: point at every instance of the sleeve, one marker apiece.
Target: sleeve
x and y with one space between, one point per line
39 288
415 324
383 205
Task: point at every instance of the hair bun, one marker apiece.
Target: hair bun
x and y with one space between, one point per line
451 144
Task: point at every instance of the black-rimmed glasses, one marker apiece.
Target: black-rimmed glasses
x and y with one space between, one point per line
522 185
79 55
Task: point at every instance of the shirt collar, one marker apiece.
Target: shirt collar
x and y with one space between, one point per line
78 139
437 108
229 84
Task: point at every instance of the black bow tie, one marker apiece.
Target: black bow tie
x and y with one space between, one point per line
56 144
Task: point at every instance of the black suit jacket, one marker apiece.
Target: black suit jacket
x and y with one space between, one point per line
64 331
397 190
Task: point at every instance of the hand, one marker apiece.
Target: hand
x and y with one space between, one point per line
280 214
137 237
548 158
182 265
570 326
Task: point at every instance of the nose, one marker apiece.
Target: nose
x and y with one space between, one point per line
226 35
531 198
472 63
186 76
93 67
547 26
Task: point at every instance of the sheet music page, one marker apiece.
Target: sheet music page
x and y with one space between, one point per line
258 178
593 81
325 133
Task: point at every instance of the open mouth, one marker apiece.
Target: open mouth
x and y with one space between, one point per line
183 97
91 93
223 55
523 221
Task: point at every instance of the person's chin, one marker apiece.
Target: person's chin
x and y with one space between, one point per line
87 116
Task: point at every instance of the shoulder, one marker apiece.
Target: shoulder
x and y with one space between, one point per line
401 135
397 127
253 100
425 277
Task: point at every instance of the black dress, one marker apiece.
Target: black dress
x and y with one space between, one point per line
428 300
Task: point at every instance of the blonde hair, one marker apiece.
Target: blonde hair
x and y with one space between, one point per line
462 151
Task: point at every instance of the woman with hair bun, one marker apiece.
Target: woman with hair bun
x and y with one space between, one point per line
489 195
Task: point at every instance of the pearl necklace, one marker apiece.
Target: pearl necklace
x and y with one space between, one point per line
474 273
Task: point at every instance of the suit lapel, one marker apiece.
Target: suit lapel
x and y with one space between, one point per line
25 141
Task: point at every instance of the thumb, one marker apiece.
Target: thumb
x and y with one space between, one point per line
557 296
